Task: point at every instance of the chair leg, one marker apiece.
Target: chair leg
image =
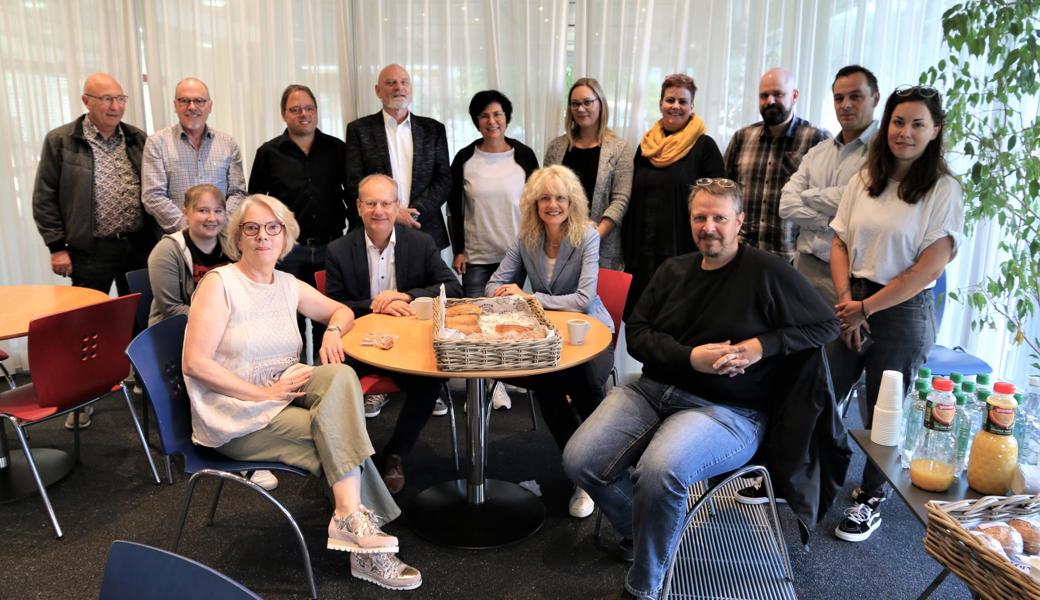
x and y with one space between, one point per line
597 533
140 434
7 376
534 415
777 530
39 482
184 510
614 375
216 499
169 469
451 419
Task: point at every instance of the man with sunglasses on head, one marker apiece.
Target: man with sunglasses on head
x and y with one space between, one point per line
186 154
305 169
87 196
717 331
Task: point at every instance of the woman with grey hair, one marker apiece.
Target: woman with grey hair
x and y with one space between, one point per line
252 400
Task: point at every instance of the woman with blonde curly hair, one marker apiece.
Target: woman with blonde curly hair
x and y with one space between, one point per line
558 252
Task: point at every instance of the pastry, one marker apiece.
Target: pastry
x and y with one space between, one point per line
1008 536
505 328
1030 532
462 308
463 323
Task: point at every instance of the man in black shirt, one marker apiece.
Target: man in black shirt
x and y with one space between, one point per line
304 168
711 330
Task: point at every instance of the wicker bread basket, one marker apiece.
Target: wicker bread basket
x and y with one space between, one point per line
496 355
988 574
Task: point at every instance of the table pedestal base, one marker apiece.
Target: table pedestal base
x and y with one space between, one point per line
442 514
16 481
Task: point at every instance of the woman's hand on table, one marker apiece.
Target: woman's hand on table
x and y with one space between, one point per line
509 289
331 351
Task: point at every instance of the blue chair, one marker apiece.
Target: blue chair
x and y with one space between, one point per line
156 355
139 283
943 360
146 573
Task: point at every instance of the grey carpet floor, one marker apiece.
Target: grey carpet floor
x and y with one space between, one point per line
109 496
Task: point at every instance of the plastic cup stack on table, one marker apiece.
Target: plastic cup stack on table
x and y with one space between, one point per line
888 411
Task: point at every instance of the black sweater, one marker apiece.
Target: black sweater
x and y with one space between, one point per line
755 295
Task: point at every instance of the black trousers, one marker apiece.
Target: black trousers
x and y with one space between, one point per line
109 261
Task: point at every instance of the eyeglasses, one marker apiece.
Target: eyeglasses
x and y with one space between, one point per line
121 99
200 102
297 110
587 103
920 91
721 182
372 204
252 229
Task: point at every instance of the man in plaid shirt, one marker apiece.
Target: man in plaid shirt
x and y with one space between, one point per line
763 156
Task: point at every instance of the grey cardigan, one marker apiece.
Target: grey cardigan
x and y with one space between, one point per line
610 197
574 279
169 272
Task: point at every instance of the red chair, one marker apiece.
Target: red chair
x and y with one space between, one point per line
77 358
613 291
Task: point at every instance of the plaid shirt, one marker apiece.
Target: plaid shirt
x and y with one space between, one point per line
761 165
117 189
171 165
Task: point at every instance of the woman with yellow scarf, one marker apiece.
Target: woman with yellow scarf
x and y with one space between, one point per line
674 154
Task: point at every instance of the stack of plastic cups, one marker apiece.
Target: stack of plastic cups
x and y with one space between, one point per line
888 410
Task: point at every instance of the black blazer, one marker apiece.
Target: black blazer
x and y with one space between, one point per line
368 153
417 265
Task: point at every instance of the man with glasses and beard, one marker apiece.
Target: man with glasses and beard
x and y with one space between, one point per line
763 156
186 154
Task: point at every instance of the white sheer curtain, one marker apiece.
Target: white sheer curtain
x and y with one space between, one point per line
48 49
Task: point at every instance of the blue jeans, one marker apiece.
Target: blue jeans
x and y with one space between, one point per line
673 439
475 279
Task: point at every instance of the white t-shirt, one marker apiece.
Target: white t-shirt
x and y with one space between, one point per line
885 235
492 183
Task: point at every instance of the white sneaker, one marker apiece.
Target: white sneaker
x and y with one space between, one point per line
265 479
581 504
500 399
440 408
84 418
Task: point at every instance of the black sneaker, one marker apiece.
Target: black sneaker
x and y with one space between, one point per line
627 550
861 520
756 494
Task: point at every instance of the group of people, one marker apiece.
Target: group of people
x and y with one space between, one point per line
734 339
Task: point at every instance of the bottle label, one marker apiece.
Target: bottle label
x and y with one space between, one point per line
939 416
1000 420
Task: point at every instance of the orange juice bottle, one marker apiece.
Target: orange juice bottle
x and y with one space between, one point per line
932 467
994 453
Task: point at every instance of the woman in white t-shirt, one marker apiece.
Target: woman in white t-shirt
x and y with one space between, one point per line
898 225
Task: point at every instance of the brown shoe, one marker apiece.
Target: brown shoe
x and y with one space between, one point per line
393 474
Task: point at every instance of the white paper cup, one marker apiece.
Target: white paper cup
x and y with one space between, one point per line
890 394
576 330
884 431
423 308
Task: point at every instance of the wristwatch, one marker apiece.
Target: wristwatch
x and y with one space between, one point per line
333 328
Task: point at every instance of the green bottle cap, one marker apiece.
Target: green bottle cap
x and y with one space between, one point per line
922 385
984 395
924 373
961 398
957 377
1018 397
968 387
982 379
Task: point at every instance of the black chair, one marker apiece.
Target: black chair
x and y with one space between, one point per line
145 573
139 283
156 355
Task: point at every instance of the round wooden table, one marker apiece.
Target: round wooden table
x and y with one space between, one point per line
21 304
476 512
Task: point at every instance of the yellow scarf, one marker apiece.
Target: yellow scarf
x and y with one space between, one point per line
662 150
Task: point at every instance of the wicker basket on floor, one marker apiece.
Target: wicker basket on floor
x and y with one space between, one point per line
496 355
988 574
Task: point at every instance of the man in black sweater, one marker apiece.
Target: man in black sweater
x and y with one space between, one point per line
710 330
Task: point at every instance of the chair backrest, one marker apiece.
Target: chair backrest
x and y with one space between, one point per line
156 356
613 291
146 573
139 283
940 298
319 281
77 355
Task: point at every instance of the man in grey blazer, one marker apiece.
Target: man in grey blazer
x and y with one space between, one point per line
413 150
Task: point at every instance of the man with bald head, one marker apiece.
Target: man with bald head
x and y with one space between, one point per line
186 154
413 150
763 156
87 196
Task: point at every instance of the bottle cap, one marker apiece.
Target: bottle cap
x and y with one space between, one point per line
924 372
984 395
922 385
1018 397
961 398
1003 387
982 379
968 387
956 377
941 384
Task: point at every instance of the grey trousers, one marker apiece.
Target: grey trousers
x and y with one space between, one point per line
322 431
818 273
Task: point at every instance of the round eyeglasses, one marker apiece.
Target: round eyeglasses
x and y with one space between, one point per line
252 229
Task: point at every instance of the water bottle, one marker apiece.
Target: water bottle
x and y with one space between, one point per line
983 382
962 431
1027 425
913 419
957 379
934 463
